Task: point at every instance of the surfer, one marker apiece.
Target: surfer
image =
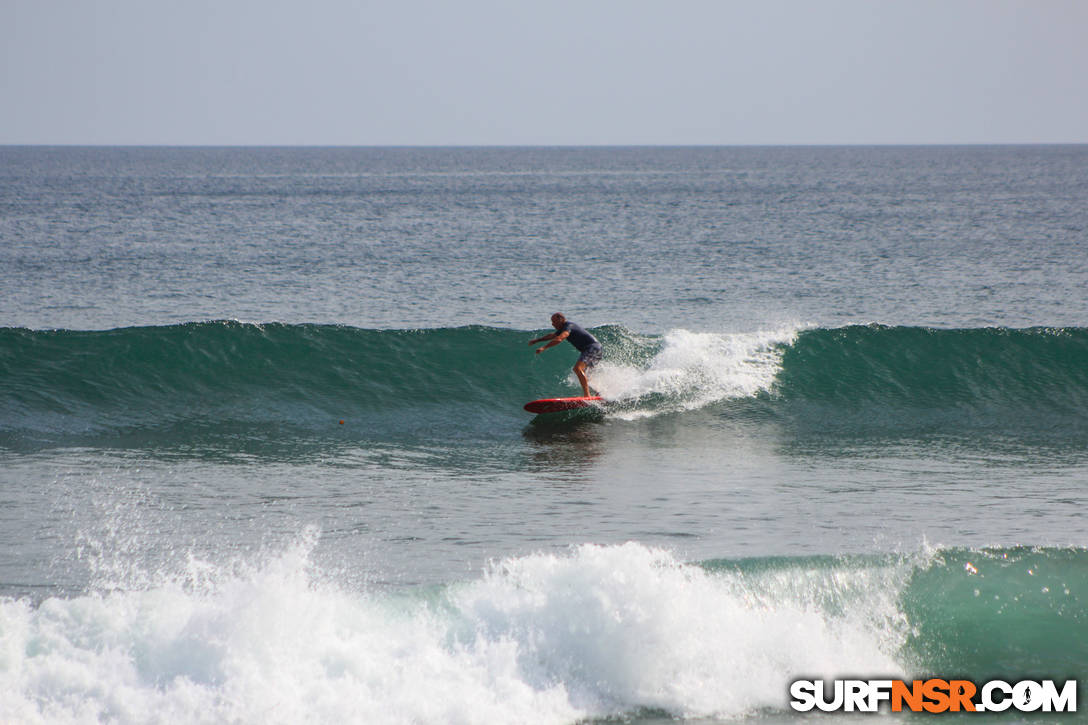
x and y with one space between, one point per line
586 343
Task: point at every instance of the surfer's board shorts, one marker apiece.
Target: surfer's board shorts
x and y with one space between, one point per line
592 355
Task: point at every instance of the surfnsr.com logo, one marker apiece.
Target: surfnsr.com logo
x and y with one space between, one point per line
933 695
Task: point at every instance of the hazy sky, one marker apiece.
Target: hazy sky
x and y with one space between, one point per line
354 72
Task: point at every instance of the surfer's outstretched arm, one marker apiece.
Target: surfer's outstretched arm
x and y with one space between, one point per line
542 339
553 339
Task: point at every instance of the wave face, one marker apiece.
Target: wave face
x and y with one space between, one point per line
158 385
990 377
238 379
600 631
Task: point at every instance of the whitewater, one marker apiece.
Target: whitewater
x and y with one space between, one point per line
598 631
601 631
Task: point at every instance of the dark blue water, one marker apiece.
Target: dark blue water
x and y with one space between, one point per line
709 239
263 458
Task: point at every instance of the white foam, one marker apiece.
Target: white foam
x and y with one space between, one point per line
538 639
695 369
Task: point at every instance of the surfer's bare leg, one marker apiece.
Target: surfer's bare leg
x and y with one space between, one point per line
580 371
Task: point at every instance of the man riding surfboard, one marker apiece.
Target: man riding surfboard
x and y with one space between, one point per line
590 349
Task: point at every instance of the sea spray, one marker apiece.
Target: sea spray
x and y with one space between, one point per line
691 370
543 638
600 631
267 643
628 627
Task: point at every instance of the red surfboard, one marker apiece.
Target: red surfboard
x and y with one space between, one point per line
557 405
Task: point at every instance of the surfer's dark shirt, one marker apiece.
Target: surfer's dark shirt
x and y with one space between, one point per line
579 337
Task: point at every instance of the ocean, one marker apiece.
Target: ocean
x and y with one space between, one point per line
263 457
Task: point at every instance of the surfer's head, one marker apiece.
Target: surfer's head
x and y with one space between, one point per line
558 320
